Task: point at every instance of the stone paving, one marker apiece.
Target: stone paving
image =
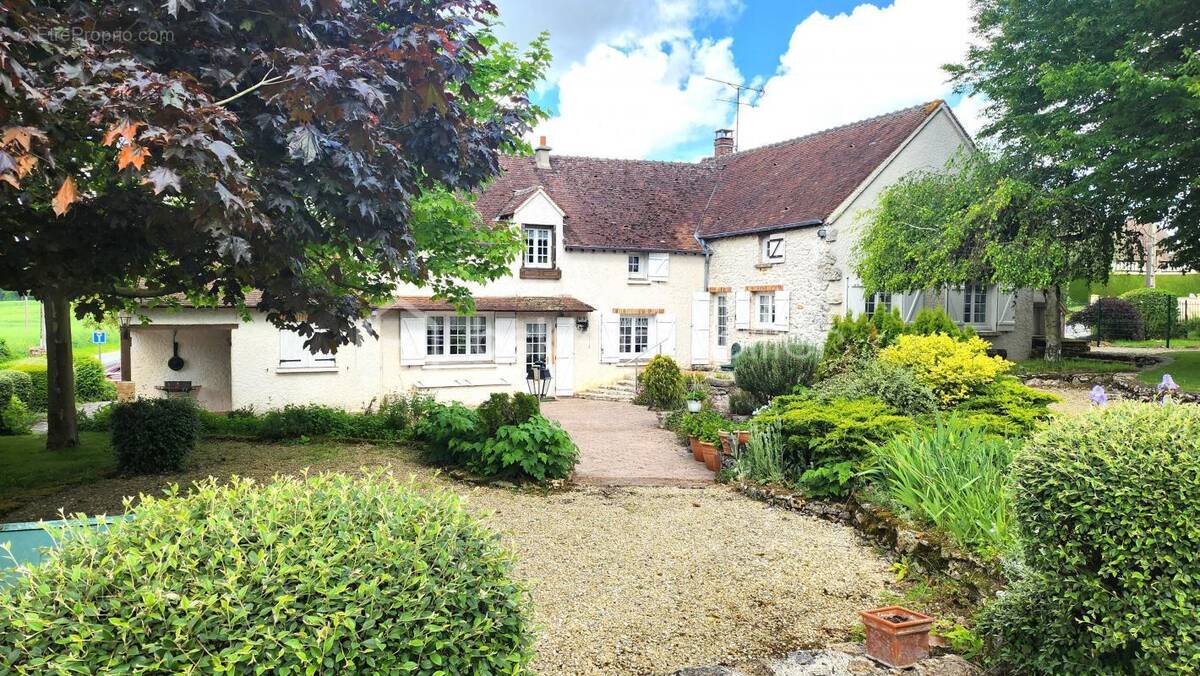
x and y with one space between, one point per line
621 444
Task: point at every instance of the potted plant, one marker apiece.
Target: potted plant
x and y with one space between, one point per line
709 438
695 399
896 636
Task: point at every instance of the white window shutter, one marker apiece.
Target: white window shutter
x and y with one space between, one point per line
741 304
660 266
783 309
610 325
291 350
909 304
954 304
412 341
664 332
856 299
506 339
1006 307
700 321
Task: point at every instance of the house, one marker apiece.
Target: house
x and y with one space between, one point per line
623 260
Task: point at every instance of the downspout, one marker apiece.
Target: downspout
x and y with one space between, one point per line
707 255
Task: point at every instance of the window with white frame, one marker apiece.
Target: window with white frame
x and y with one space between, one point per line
633 336
637 267
722 320
766 308
294 355
539 243
455 337
876 301
773 249
535 344
975 304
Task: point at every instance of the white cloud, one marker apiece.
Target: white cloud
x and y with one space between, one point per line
970 112
643 100
851 66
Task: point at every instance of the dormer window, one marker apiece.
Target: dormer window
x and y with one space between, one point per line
539 246
637 267
772 251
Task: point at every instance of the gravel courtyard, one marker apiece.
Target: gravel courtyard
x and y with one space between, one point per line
629 580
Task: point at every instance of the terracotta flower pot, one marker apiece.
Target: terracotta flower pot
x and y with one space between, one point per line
726 446
712 457
697 452
896 636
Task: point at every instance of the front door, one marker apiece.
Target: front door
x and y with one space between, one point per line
564 356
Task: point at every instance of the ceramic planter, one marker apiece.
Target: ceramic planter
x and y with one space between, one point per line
697 452
712 457
896 636
694 406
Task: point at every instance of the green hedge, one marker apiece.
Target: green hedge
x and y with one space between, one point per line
37 382
1080 292
1109 514
15 384
1158 309
15 418
154 435
317 575
90 381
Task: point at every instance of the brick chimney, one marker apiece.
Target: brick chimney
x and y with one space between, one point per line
723 143
542 154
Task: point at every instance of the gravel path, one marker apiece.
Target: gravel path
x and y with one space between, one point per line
631 580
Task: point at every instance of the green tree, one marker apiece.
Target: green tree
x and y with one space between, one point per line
980 221
1108 93
311 151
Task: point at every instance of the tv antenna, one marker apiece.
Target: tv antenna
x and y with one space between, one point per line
737 105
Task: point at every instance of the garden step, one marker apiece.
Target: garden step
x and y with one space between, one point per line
621 390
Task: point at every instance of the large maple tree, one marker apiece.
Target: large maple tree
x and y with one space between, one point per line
207 148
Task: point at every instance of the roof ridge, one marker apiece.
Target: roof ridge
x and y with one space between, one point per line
929 107
628 160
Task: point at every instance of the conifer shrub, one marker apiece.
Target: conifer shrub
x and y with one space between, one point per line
320 574
1110 530
954 369
662 384
892 384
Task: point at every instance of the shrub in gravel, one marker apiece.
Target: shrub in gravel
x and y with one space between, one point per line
1110 520
769 369
537 449
154 435
315 575
1112 319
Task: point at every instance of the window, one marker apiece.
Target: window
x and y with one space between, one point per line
773 249
878 300
293 354
722 320
435 336
766 309
535 344
538 242
634 335
975 304
455 337
637 270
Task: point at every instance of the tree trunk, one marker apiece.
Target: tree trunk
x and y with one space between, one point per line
62 431
1053 323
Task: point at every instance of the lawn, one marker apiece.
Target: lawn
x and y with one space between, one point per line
19 328
1184 368
32 472
1035 366
1176 343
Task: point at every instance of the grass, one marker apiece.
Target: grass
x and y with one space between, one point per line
1035 366
1176 343
30 471
1184 368
1180 285
19 328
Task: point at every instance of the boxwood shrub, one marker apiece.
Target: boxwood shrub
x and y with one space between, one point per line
1110 520
91 384
662 384
321 574
153 435
37 382
15 384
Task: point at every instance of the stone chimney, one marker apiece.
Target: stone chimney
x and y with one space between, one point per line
542 153
723 143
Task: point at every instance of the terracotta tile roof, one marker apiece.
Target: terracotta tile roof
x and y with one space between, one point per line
804 179
497 304
658 206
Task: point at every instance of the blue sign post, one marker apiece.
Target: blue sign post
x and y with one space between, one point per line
99 338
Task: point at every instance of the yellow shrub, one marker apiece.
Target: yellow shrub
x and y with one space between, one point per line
952 368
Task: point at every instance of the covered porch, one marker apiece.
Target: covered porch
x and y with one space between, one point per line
182 360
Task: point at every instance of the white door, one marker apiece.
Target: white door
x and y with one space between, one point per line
564 356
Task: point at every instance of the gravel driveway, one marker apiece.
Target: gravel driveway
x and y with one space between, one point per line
626 580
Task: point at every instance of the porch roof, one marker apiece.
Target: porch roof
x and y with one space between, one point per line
496 304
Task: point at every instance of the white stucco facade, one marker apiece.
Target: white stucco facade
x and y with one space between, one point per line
668 302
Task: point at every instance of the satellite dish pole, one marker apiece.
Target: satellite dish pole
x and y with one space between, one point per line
737 105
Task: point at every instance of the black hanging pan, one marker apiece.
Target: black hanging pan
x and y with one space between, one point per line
175 363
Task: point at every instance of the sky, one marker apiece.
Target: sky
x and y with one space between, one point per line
629 76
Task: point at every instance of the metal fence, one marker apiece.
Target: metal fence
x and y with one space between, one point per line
1115 320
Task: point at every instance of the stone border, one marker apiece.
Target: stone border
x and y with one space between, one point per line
1125 383
931 553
